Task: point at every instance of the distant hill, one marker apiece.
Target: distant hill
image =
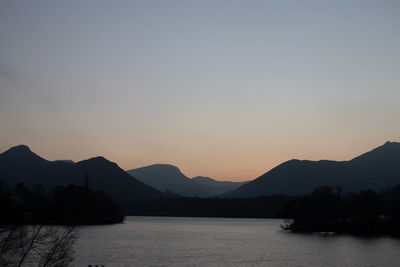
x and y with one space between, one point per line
217 187
378 169
20 164
165 177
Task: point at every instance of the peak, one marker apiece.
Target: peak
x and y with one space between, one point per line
93 160
204 178
22 152
291 162
159 166
384 152
18 150
388 143
98 159
169 166
21 148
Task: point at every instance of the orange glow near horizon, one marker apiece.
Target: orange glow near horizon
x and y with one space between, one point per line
224 89
238 168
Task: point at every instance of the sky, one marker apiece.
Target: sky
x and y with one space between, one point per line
226 89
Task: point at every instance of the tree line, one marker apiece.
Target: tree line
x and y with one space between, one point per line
175 205
69 205
328 209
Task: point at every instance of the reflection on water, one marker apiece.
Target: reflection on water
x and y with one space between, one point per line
165 241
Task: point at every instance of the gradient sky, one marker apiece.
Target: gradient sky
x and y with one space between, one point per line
226 89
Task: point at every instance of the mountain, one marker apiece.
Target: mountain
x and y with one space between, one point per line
377 169
20 164
217 187
165 177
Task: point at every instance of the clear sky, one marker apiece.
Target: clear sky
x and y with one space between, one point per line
226 89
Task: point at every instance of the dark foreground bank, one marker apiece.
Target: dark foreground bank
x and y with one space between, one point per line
327 209
70 205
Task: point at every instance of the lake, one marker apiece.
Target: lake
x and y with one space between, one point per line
166 241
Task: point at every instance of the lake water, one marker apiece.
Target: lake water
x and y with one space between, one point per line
166 241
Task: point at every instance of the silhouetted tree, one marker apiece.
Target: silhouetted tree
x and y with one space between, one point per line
39 245
327 210
70 205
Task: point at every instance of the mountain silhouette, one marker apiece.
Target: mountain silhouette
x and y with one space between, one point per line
217 187
20 165
377 169
165 177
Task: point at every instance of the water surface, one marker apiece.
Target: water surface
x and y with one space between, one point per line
166 241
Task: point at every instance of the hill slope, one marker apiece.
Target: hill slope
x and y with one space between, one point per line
20 164
217 187
165 177
378 169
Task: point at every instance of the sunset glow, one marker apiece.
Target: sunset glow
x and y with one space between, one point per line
224 89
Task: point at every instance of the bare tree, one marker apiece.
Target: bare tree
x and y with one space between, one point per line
36 245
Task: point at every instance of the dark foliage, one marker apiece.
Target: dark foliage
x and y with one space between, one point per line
70 205
327 209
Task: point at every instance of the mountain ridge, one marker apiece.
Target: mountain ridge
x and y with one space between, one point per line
167 177
376 169
20 164
217 187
